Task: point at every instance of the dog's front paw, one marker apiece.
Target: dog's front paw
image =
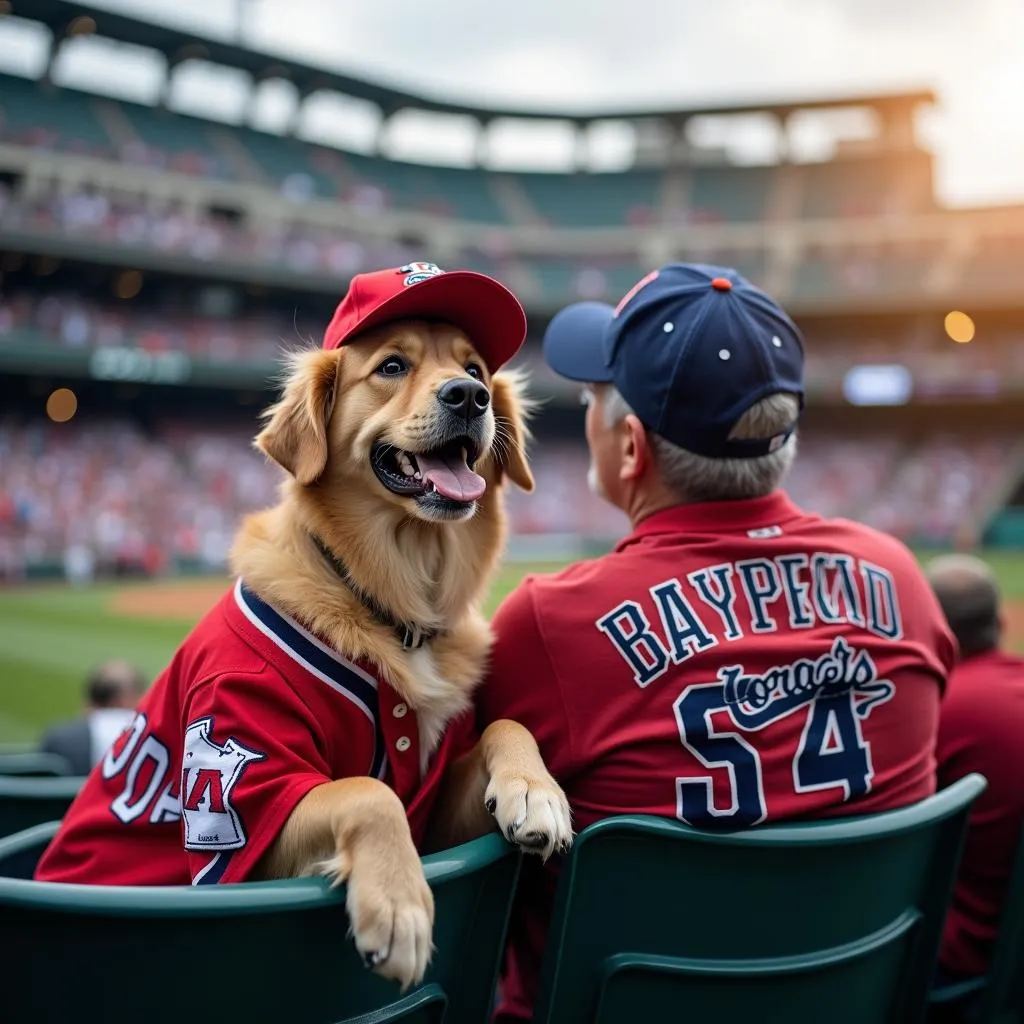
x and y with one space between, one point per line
531 810
391 910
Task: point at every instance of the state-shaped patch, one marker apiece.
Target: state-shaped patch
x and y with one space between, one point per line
209 772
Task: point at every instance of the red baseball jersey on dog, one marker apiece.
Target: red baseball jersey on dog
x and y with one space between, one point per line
727 664
251 714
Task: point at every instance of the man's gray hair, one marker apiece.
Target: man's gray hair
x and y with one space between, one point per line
698 478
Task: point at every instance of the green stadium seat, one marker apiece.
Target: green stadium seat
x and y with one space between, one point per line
837 921
27 801
29 112
34 763
268 951
591 200
730 194
22 851
427 1005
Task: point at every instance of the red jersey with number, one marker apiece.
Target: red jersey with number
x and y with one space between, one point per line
251 714
728 664
981 729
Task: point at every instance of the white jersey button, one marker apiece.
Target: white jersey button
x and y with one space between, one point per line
402 744
400 710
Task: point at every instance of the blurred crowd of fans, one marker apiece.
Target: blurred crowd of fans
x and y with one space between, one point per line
103 497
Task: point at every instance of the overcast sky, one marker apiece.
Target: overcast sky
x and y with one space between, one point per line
585 54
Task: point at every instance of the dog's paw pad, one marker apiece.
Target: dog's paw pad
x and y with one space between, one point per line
372 957
534 840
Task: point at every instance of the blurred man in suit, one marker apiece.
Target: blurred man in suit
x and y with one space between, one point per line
112 691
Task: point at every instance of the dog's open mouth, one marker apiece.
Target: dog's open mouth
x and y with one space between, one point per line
446 472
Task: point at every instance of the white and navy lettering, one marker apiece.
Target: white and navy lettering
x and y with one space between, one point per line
819 588
721 597
121 750
801 613
883 609
837 691
760 579
630 632
686 633
837 601
142 780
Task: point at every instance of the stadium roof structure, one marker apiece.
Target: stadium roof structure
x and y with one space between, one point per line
67 18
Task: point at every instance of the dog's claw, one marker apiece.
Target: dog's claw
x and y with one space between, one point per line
372 958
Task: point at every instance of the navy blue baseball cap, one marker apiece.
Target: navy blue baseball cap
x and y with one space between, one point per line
691 347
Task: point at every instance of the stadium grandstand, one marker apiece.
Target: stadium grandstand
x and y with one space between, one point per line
154 264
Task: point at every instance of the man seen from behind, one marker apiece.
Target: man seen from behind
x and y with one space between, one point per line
735 659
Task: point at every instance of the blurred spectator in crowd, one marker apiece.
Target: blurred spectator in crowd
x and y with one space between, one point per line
112 692
981 729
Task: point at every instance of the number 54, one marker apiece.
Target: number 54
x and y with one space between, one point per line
832 753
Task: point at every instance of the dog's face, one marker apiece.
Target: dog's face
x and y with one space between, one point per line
408 409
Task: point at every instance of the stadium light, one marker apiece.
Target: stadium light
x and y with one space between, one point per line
62 405
128 284
889 384
959 326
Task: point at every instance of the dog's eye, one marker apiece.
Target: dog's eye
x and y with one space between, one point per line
393 366
474 370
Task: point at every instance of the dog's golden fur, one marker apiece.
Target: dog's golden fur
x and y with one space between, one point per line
335 408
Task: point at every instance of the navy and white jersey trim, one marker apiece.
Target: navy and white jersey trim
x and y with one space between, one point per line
214 871
327 665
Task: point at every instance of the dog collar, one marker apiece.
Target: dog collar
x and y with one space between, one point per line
410 635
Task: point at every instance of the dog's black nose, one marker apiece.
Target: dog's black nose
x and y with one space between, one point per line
466 398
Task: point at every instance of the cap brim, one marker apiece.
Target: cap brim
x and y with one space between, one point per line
574 342
489 314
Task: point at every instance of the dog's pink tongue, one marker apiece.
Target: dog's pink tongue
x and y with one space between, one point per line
452 477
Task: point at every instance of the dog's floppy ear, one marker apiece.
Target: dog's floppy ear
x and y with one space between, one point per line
295 436
511 408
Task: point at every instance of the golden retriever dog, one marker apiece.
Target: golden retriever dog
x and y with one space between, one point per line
318 719
397 446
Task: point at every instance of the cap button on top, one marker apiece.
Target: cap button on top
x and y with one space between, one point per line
721 284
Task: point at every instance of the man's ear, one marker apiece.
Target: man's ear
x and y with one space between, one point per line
295 436
511 409
637 453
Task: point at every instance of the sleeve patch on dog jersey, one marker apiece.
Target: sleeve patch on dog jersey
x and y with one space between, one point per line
209 772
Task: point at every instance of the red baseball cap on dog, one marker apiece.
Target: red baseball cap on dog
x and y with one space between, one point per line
484 308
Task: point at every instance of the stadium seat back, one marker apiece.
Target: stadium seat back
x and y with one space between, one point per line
22 851
26 801
836 921
268 951
34 763
427 1005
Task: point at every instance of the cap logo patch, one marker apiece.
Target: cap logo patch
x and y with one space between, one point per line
645 280
419 272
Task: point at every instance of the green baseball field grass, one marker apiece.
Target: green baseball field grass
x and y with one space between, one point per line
50 635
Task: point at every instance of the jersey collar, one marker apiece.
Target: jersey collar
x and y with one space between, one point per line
717 517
